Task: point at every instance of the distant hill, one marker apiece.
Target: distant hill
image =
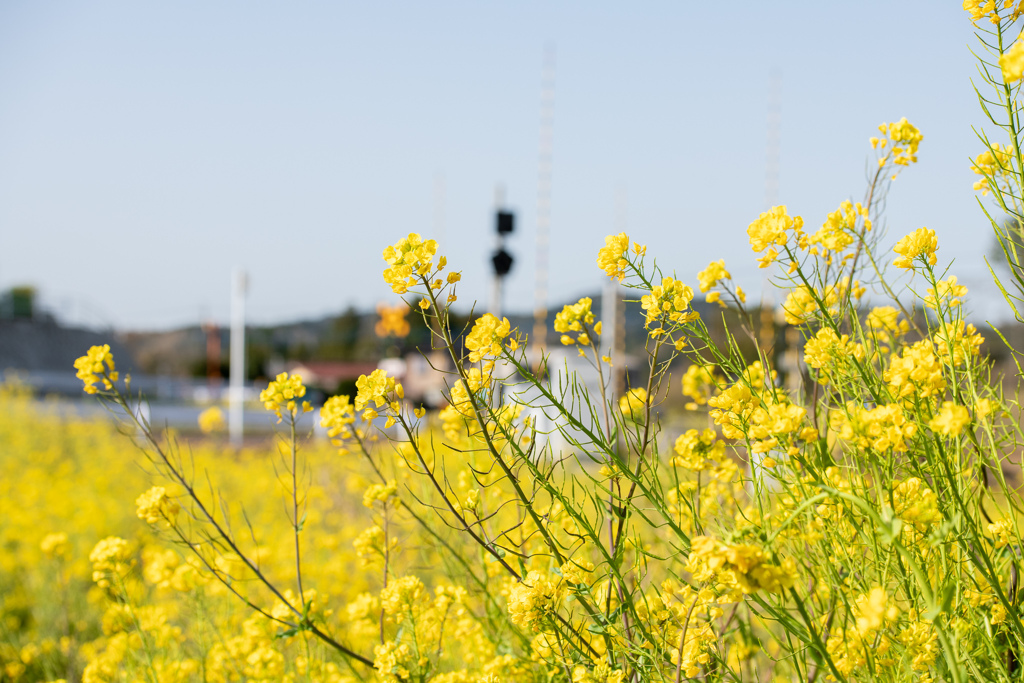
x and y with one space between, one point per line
42 345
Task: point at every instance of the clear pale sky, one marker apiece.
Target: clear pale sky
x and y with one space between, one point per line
147 148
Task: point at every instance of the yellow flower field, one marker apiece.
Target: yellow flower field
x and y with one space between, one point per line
854 520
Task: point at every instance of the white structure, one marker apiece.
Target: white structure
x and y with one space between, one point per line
236 391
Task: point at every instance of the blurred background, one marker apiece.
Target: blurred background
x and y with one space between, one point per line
149 151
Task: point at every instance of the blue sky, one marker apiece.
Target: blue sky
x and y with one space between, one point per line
148 148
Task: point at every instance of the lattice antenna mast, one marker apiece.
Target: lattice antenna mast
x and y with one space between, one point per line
439 192
771 198
547 128
773 148
772 153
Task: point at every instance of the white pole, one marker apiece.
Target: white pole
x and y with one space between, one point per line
496 295
499 244
236 388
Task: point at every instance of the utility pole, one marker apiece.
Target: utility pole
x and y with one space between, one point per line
613 337
236 390
212 332
504 225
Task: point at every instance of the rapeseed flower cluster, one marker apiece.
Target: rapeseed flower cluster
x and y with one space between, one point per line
486 338
853 646
282 394
379 390
337 416
993 165
950 419
611 258
96 366
737 569
212 420
698 450
697 384
155 506
1012 62
802 302
669 303
916 372
111 558
945 293
577 318
830 354
989 9
409 259
884 327
838 231
919 244
711 276
880 429
916 504
772 229
391 320
533 602
898 144
633 404
957 342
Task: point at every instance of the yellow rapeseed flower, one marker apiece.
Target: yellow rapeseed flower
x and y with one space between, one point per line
737 569
884 322
1012 62
110 556
337 416
54 545
992 164
281 394
212 420
486 337
380 493
799 306
826 351
379 389
698 450
921 242
575 318
899 142
881 428
945 292
533 602
950 420
769 231
403 597
916 504
839 230
610 258
989 9
632 404
697 383
957 342
669 301
91 368
409 259
916 372
710 276
392 320
156 506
